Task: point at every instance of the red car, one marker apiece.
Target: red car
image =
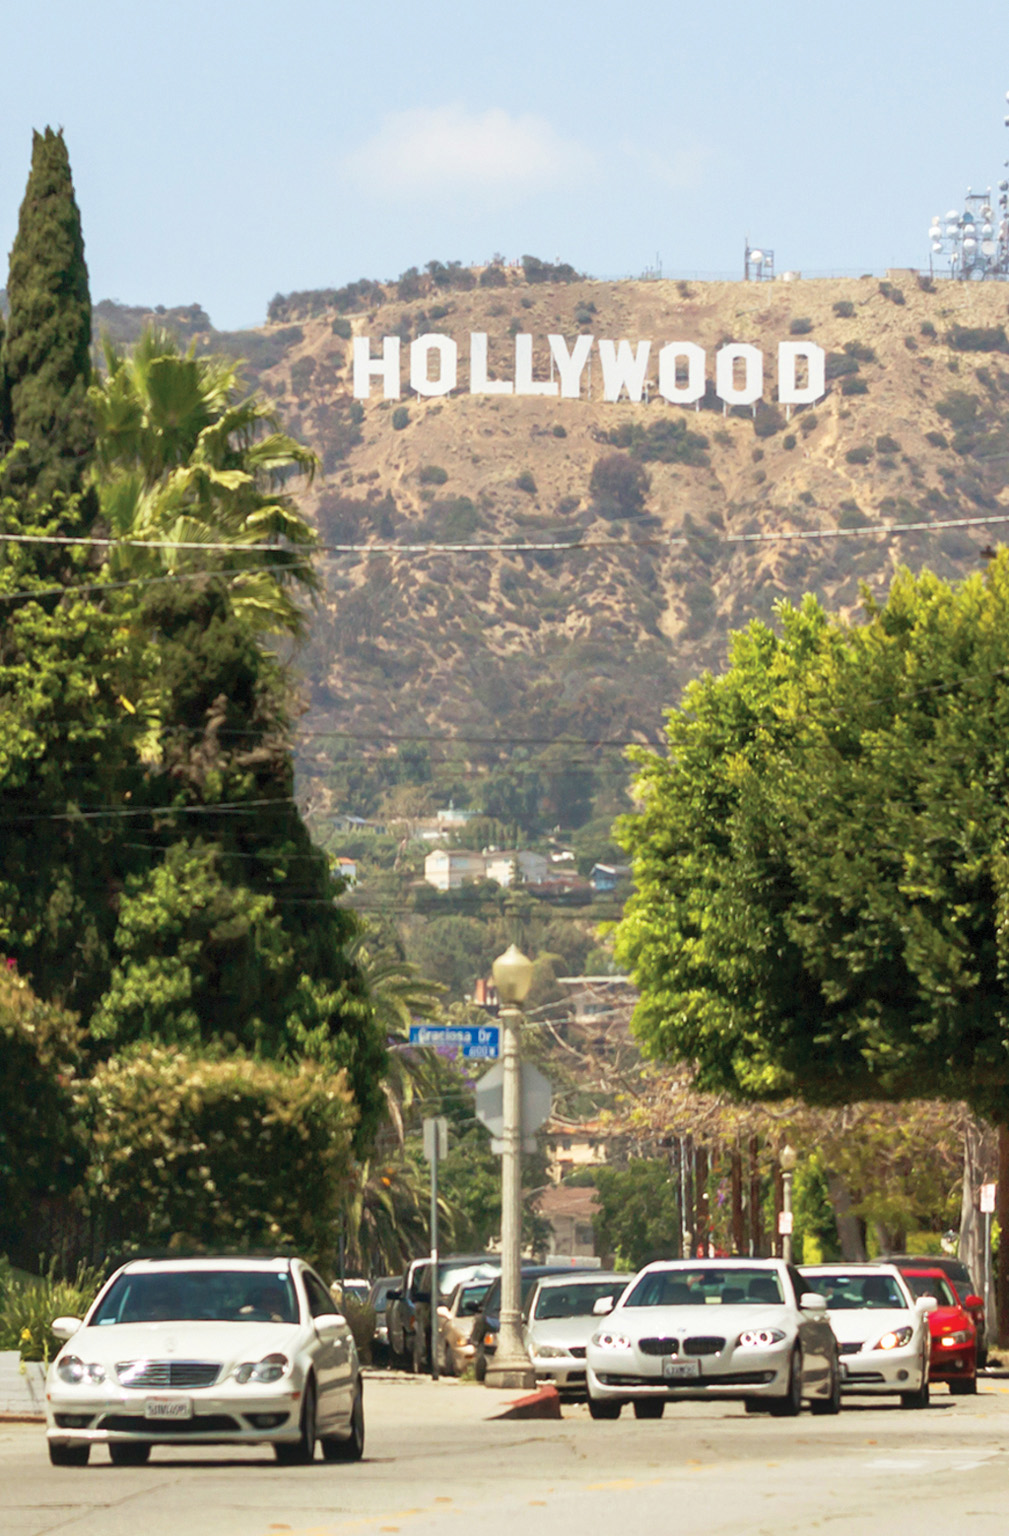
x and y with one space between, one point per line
954 1337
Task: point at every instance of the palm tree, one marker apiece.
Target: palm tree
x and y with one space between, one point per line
183 457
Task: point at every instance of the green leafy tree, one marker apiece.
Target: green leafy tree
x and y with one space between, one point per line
46 352
639 1212
823 857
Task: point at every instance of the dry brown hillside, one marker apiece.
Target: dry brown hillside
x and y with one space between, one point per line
596 642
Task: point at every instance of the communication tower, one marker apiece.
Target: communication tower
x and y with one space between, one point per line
758 266
974 243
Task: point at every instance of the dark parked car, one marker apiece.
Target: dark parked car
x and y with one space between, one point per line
487 1325
409 1311
378 1298
968 1294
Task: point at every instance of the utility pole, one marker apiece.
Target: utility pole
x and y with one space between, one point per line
435 1146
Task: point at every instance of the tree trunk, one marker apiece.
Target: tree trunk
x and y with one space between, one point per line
738 1230
701 1215
756 1225
1002 1203
849 1228
971 1245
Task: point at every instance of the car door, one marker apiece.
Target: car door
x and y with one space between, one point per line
332 1354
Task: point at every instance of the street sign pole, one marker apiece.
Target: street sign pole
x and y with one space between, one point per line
435 1147
987 1202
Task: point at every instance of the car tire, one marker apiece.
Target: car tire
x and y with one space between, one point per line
301 1451
447 1362
604 1408
832 1402
480 1366
352 1447
127 1453
966 1388
917 1399
68 1455
649 1408
790 1406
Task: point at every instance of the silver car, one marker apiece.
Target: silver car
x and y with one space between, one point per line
715 1328
564 1312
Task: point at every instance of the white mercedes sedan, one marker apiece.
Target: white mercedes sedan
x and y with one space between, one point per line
882 1331
715 1328
207 1352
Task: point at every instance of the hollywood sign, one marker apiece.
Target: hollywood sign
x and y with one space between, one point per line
681 371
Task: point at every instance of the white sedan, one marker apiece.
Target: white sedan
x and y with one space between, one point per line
715 1328
883 1332
208 1352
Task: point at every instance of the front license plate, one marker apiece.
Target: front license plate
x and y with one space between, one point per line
168 1408
677 1370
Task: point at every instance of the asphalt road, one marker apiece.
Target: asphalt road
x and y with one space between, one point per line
436 1464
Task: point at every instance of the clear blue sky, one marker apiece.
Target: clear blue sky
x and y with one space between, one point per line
225 151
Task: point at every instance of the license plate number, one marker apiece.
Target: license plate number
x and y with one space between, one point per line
678 1370
168 1408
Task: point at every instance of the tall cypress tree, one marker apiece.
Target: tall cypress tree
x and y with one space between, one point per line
46 359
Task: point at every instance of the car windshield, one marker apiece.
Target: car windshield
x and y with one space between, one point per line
850 1293
195 1295
932 1285
707 1285
574 1300
471 1298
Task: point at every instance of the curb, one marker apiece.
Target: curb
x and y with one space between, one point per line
544 1404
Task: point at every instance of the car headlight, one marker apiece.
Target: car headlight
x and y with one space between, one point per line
550 1352
612 1341
270 1368
74 1371
760 1338
895 1339
948 1340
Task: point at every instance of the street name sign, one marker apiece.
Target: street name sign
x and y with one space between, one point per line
481 1043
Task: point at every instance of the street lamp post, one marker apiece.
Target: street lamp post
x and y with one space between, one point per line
511 1366
788 1159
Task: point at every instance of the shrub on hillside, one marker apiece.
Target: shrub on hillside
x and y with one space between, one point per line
768 419
977 338
860 455
400 418
526 481
854 386
844 309
666 441
800 326
860 350
927 329
887 444
618 486
837 364
959 408
432 474
537 271
342 328
494 276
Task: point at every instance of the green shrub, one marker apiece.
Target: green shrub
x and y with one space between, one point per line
927 329
666 441
537 271
342 328
850 515
937 439
439 311
860 351
844 309
959 408
789 442
801 326
977 338
302 373
526 482
360 1316
839 363
808 423
889 291
910 344
400 418
618 486
432 474
29 1304
568 504
559 431
494 276
232 1153
854 386
859 455
887 444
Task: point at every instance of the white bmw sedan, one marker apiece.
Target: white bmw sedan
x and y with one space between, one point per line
883 1332
208 1352
715 1328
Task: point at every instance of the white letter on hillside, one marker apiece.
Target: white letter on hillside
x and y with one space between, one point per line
525 384
623 369
479 383
448 355
669 388
570 365
789 393
386 367
725 379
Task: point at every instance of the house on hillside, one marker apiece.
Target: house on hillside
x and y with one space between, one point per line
569 1213
344 869
517 867
606 877
448 869
572 1147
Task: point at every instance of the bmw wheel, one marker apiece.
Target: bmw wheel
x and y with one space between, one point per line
604 1408
790 1406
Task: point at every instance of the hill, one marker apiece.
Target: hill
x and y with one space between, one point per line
449 674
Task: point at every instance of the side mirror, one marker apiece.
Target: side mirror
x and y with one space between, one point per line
602 1306
396 1295
810 1301
973 1302
925 1304
65 1327
444 1312
329 1322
